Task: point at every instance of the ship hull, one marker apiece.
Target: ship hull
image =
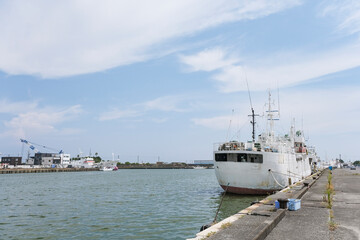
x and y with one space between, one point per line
274 172
248 191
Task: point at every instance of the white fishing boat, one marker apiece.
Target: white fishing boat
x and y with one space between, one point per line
199 167
106 168
83 162
263 166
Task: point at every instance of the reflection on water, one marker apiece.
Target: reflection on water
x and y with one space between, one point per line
127 204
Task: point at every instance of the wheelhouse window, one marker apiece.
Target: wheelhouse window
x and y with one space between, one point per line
255 158
220 157
239 157
242 157
252 158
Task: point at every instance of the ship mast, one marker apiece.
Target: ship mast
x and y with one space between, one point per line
253 123
252 112
271 118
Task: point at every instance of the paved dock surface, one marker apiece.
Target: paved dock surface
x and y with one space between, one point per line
311 221
347 203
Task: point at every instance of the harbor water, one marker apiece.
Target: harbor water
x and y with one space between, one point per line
124 204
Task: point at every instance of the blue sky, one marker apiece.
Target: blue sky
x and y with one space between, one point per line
162 78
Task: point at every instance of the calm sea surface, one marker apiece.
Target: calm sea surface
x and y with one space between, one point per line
126 204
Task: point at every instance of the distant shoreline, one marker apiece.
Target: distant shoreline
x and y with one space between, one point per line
120 167
155 167
44 170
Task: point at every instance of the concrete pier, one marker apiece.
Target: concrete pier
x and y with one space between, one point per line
44 170
311 221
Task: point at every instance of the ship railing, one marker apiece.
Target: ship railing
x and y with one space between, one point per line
228 146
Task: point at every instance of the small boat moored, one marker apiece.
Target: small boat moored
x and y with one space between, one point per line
106 168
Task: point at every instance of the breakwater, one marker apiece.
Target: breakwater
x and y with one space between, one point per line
44 170
154 167
120 166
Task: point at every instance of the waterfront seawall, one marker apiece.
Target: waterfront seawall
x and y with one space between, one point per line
44 170
314 220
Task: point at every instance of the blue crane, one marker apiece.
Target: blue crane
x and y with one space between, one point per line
32 147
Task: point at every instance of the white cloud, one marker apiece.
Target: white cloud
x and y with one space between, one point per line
220 122
16 107
346 12
328 116
160 120
61 38
208 60
70 131
323 112
117 114
36 120
290 70
167 103
283 69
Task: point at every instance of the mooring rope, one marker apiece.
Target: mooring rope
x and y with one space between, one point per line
295 174
214 221
276 180
290 174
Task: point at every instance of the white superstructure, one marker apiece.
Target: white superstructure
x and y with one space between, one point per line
83 162
266 165
65 159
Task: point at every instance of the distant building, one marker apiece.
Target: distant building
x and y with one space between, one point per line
65 158
203 162
11 160
30 161
44 158
51 158
178 163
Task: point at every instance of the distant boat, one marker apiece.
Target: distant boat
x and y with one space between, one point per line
199 167
84 162
106 168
